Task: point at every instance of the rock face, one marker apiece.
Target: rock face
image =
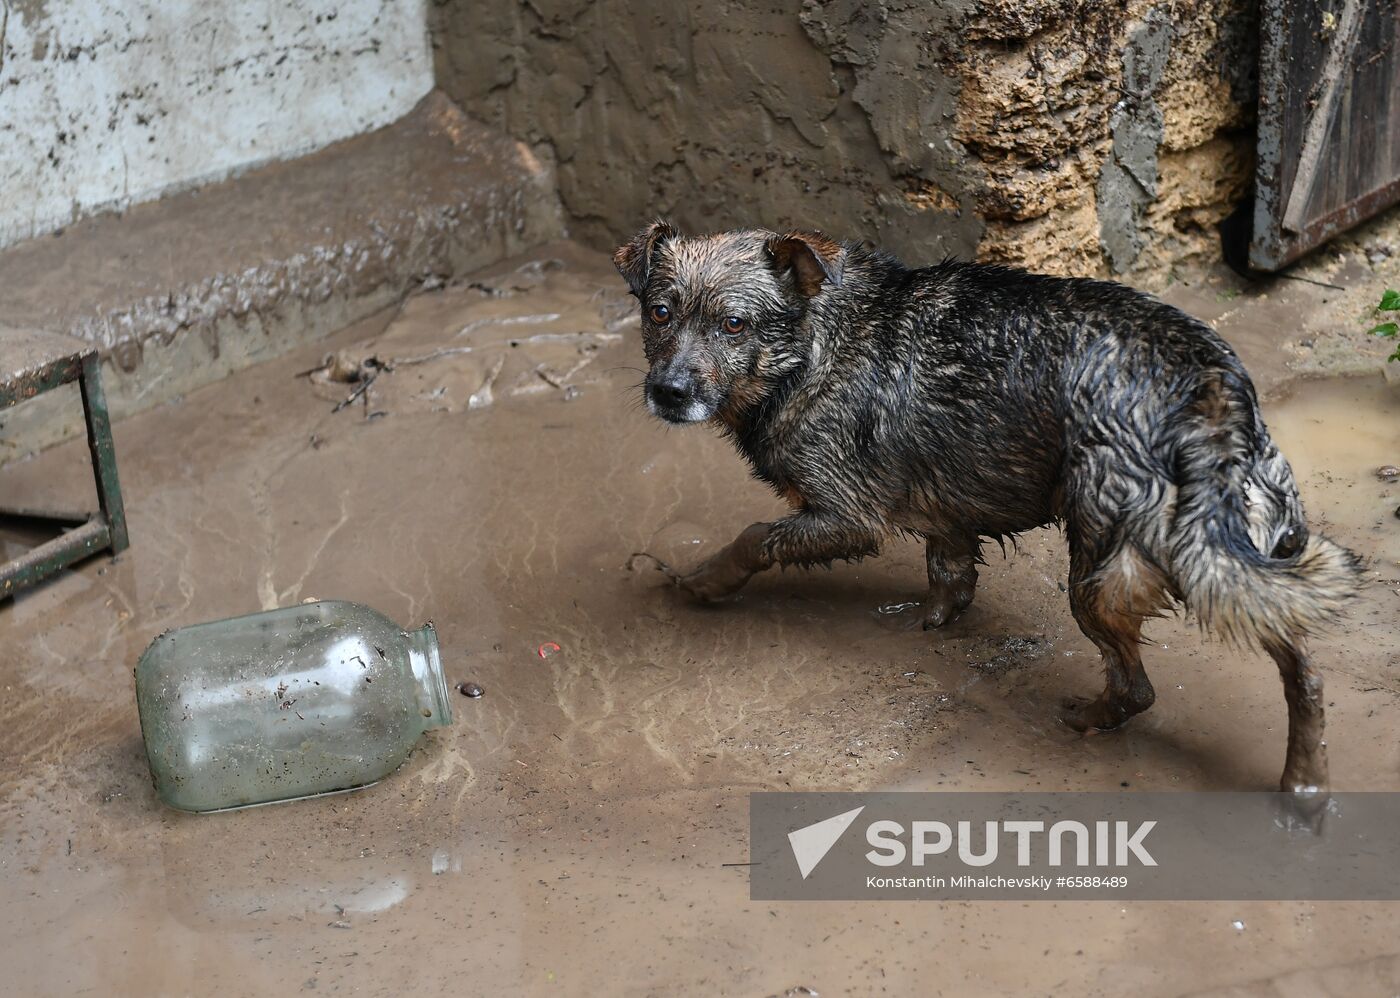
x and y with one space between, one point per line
1062 135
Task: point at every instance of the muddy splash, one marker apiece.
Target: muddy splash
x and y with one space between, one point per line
570 833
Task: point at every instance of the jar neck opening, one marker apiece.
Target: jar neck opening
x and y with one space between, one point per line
426 659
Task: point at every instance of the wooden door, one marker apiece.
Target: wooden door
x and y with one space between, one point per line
1329 122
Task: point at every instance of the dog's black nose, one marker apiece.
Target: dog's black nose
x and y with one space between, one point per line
671 392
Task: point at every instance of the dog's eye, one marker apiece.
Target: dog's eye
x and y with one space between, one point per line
734 325
660 314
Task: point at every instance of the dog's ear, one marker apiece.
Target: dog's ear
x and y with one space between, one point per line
633 258
812 257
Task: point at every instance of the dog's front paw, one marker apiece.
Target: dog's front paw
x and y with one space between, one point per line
719 577
728 570
709 587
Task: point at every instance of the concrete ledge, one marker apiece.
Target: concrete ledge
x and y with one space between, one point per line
183 291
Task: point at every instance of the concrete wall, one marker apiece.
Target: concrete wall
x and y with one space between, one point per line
1071 136
104 103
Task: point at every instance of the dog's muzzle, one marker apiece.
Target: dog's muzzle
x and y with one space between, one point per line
675 398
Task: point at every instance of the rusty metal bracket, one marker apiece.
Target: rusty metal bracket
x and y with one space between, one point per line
32 363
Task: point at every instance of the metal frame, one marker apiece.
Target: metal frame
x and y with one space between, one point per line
103 530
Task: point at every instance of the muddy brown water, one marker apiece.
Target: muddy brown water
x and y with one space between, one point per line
567 835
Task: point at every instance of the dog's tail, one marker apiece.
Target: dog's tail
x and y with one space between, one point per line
1239 548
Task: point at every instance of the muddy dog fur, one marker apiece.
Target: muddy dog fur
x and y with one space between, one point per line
961 402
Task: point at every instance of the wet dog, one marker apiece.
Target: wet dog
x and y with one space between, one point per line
961 402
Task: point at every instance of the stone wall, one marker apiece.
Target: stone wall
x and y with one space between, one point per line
1061 135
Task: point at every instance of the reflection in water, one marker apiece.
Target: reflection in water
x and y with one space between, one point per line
249 884
1336 434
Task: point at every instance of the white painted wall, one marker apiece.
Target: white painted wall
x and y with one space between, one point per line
104 103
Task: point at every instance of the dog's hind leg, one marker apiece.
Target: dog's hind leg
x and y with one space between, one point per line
952 580
1305 767
1110 600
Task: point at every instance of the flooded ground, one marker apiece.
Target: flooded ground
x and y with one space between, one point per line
569 834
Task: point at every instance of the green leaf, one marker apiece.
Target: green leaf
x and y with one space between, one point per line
1390 301
1387 329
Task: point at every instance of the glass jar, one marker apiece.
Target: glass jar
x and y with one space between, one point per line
290 703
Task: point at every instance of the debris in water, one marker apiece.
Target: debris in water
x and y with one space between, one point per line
1388 473
346 368
482 397
1238 925
549 648
896 607
470 690
571 393
1010 653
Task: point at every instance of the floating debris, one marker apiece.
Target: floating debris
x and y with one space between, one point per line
472 690
891 608
1008 654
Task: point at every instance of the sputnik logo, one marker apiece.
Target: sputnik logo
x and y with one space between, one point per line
811 843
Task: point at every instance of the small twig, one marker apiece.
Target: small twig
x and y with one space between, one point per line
661 566
1309 280
364 387
548 377
444 352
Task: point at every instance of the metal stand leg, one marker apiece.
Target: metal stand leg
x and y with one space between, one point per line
104 455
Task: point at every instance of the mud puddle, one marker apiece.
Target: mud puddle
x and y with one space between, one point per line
569 834
1338 435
